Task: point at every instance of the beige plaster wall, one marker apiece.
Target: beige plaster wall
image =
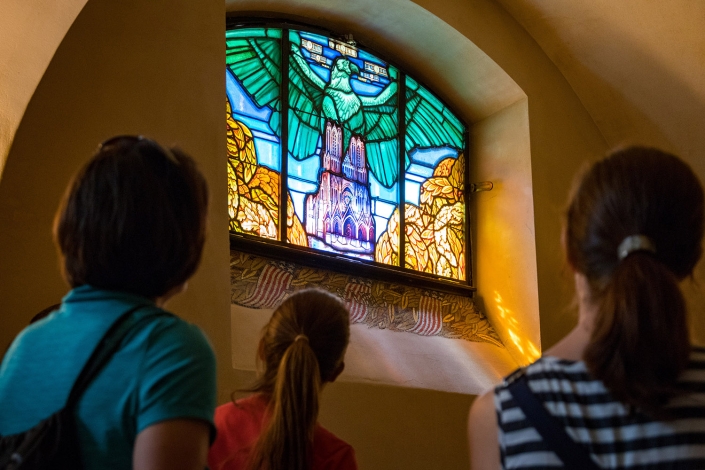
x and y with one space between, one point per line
636 66
30 32
503 245
126 66
562 136
639 69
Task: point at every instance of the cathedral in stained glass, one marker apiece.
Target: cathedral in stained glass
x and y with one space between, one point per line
339 214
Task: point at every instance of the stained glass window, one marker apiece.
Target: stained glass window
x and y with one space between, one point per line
434 186
253 107
334 121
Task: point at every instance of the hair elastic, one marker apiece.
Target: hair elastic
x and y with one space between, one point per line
634 243
302 337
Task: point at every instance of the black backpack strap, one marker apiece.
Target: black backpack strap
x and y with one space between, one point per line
573 455
104 350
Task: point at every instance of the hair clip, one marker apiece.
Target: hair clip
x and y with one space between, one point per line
634 243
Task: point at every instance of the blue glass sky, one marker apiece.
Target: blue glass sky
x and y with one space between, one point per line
257 119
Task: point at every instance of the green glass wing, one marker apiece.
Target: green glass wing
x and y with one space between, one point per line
429 123
253 55
305 101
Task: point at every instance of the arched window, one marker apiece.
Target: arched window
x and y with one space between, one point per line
298 100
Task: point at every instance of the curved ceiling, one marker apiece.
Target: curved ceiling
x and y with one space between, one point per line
638 67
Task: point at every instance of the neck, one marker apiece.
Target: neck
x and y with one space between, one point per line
162 300
573 345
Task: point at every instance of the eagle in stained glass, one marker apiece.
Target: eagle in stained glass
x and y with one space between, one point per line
255 62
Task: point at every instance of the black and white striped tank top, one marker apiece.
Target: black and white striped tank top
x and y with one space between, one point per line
615 436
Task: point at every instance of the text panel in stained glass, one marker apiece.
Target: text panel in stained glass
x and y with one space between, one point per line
434 186
343 138
253 105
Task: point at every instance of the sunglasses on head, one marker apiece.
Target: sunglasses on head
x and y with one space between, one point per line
137 139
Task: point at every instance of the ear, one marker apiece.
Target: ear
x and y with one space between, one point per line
582 287
338 370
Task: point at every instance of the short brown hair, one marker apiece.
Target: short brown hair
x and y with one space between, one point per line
133 218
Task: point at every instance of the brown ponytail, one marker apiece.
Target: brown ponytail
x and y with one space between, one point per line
640 341
302 346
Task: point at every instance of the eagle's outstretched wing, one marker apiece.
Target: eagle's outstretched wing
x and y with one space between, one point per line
256 63
305 101
382 134
429 123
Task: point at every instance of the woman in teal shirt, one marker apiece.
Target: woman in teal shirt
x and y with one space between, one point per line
130 231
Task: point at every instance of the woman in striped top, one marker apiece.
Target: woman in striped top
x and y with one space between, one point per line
626 384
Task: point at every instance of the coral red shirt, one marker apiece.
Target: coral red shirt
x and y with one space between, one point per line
239 425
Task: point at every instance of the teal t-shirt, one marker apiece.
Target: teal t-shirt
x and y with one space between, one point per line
164 370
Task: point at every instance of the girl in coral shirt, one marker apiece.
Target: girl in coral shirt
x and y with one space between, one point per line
302 348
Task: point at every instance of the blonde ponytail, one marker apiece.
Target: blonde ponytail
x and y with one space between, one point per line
302 346
286 442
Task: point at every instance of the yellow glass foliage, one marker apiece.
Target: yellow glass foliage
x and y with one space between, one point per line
434 231
241 147
253 190
457 174
445 167
295 230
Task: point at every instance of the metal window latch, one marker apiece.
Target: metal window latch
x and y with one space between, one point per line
481 186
